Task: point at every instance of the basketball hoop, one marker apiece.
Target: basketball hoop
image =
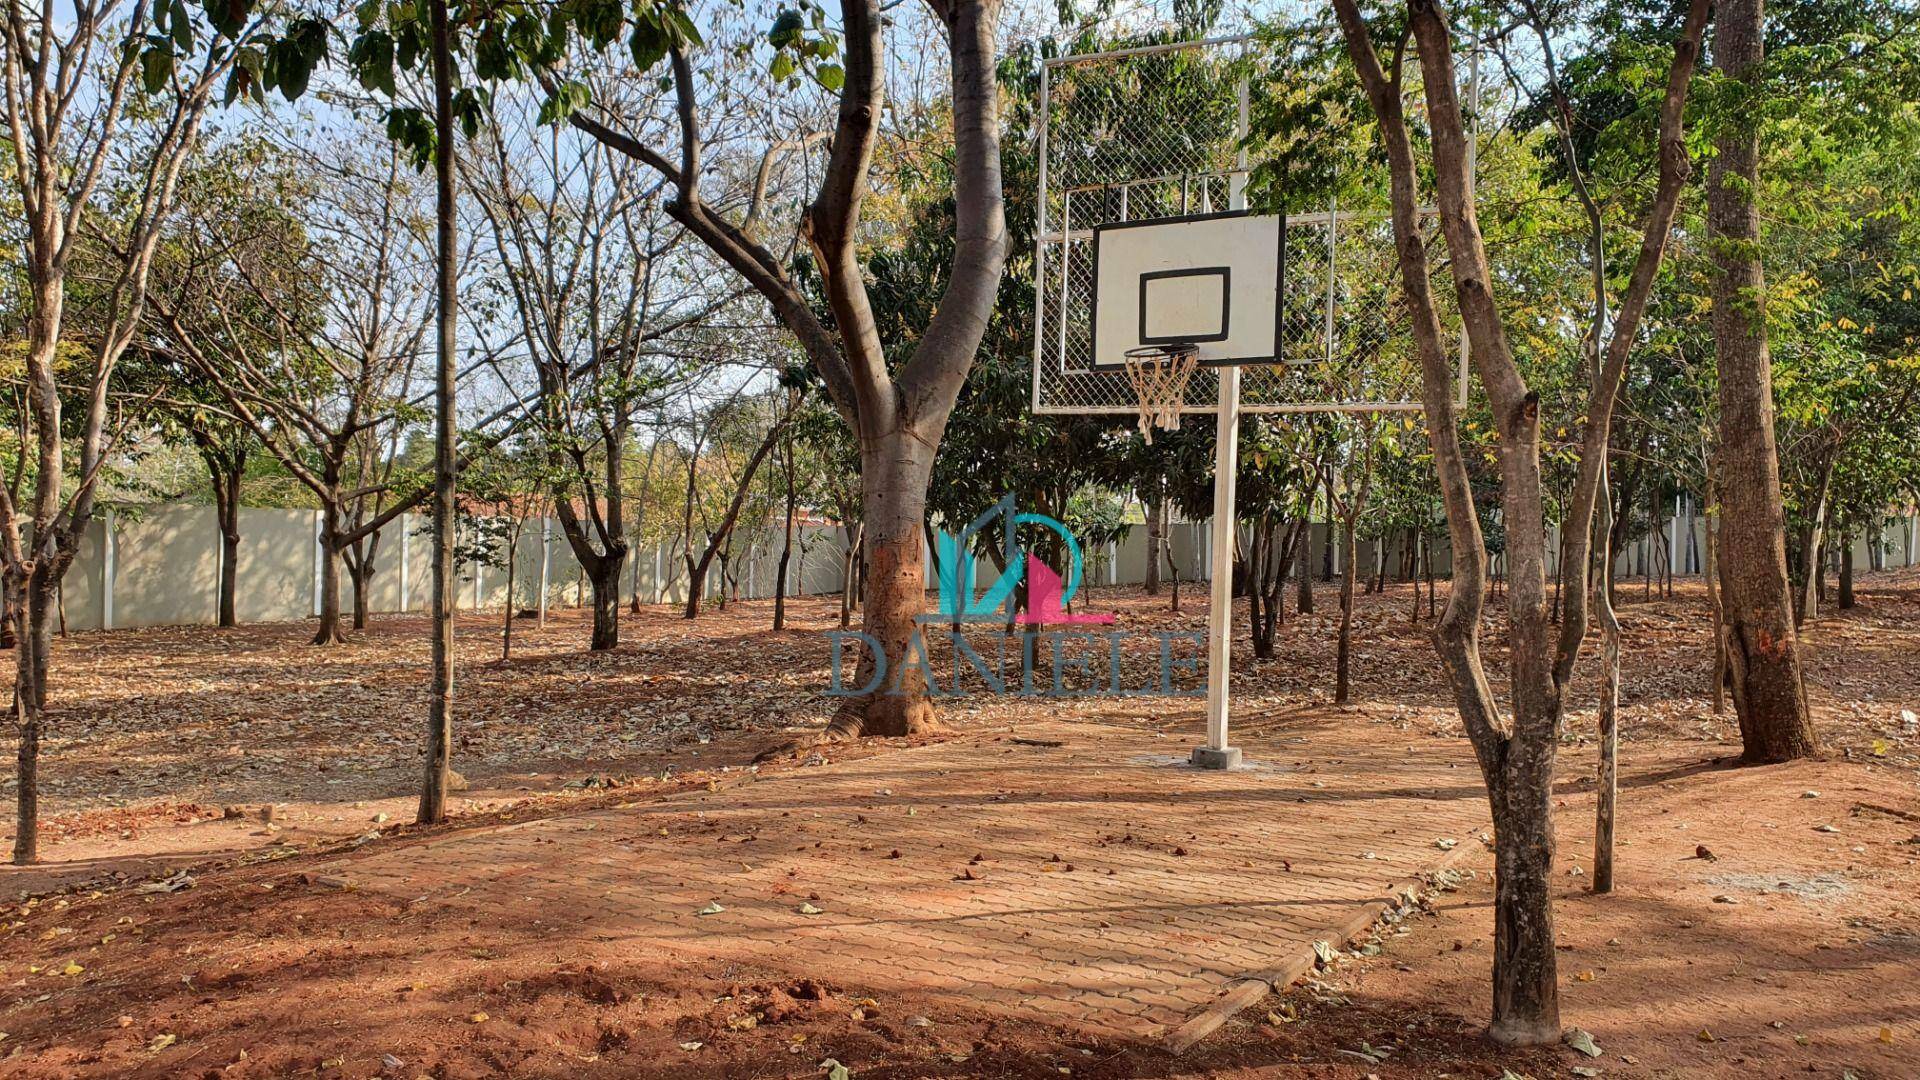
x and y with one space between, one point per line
1159 374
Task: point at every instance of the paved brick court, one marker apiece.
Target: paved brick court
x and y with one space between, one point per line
1097 883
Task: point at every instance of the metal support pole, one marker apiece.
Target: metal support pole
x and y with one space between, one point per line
546 565
319 559
1217 753
406 536
109 566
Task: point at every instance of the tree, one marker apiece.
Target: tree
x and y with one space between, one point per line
310 326
72 77
899 414
185 409
1769 694
724 424
1516 755
601 282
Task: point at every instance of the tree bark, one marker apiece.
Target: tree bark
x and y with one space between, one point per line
897 412
1343 657
329 632
1769 694
849 572
27 722
1846 572
605 581
1305 575
1156 533
786 541
894 471
437 766
506 616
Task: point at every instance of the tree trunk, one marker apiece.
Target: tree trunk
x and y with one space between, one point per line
849 568
605 580
894 471
360 576
1846 572
1343 662
26 715
786 546
1526 1004
506 616
1607 774
696 585
1712 576
437 767
226 472
329 632
230 564
1156 534
1306 571
1426 562
1769 695
1173 569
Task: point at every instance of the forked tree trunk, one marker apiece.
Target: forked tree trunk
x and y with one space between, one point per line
1515 751
605 581
897 412
1769 695
894 471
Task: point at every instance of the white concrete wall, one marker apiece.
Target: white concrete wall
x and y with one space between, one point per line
165 562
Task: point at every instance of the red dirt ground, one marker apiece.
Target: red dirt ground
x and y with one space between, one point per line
1788 953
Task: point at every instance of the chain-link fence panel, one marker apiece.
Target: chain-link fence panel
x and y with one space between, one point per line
1158 132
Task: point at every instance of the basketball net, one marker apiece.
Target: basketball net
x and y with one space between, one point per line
1159 375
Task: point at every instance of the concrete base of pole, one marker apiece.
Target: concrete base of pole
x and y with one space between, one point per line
1206 757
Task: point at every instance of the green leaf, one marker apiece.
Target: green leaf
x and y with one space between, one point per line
648 44
831 76
567 99
689 33
156 68
413 131
371 59
786 29
227 16
469 107
782 66
182 24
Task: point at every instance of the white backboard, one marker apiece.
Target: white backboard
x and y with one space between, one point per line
1210 280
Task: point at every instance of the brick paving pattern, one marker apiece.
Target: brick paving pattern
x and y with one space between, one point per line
1098 884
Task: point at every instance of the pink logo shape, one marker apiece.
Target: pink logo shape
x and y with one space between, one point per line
1043 599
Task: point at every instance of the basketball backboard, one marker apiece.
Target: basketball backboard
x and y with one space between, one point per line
1143 238
1209 280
